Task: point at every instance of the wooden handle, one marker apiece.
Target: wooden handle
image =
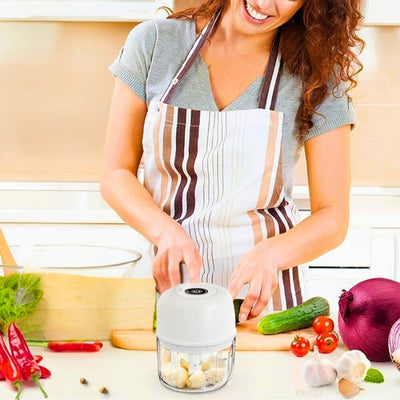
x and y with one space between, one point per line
6 256
5 252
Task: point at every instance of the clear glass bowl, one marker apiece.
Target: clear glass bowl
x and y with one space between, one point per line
193 370
89 260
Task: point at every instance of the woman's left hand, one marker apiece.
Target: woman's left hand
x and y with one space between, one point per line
257 269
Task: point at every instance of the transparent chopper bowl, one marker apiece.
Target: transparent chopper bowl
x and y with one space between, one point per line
195 370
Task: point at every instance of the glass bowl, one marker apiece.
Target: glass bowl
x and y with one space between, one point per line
89 260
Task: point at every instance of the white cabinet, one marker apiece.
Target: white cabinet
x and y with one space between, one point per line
383 253
340 268
365 253
397 256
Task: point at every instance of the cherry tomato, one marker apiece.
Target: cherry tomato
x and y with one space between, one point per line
323 324
300 346
327 342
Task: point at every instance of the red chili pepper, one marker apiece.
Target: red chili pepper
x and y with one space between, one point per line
45 373
75 346
30 369
38 358
9 368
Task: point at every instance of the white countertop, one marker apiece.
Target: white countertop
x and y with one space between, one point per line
133 375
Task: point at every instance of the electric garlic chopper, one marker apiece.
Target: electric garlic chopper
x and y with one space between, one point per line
196 336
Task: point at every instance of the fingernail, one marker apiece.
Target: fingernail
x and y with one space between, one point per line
242 317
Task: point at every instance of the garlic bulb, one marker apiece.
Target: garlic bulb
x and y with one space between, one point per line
353 365
318 371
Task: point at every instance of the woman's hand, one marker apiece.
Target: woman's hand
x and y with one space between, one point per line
257 269
173 248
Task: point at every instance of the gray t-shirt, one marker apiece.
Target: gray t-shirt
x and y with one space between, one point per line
154 51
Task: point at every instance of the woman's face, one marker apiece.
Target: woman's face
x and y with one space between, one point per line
262 16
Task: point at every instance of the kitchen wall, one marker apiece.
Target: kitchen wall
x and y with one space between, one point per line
56 89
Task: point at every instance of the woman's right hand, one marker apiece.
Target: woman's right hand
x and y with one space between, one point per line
173 248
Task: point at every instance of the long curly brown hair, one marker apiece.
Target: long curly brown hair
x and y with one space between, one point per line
319 44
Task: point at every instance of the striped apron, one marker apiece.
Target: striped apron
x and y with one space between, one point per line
219 174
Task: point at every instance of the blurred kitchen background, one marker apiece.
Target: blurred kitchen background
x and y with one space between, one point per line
54 100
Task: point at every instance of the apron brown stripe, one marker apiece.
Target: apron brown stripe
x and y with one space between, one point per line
276 299
193 148
157 156
277 218
270 157
275 93
287 288
166 143
256 225
178 162
270 72
278 185
295 270
297 285
269 223
167 153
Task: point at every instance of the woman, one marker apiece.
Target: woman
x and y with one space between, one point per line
219 121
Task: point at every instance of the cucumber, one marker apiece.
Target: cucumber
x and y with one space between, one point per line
298 317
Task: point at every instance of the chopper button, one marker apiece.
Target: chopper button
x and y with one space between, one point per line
196 291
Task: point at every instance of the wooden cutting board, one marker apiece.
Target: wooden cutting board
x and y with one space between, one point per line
76 307
247 339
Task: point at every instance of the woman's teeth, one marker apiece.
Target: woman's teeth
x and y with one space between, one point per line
253 13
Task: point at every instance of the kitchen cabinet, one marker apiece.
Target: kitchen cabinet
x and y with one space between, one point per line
82 10
380 12
365 253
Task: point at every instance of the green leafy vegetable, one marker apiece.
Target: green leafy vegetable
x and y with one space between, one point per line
19 297
374 376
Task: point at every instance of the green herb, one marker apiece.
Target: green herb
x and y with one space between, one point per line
374 376
19 297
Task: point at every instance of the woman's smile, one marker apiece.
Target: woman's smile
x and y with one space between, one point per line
252 13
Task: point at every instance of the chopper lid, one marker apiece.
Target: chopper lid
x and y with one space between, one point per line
200 314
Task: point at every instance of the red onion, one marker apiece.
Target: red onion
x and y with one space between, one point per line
394 344
366 313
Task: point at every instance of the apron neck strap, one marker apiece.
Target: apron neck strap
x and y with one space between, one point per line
191 57
269 90
270 86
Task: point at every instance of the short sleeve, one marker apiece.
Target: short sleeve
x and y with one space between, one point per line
133 62
335 111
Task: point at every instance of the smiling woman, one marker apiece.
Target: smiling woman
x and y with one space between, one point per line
217 100
280 12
